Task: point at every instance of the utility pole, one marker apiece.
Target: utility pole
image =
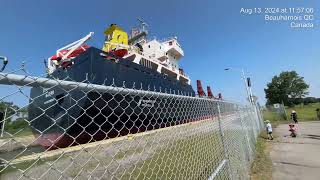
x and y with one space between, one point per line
245 80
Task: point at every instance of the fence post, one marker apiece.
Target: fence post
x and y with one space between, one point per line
4 122
225 149
255 124
260 120
258 117
261 116
284 111
261 125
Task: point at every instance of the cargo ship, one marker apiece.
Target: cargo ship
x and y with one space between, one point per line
61 118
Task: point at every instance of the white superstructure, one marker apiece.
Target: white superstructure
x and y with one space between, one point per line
163 56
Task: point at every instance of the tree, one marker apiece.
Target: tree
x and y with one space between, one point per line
10 108
286 87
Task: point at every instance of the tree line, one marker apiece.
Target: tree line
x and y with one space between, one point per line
306 100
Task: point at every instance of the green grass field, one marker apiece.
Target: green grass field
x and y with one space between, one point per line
304 112
272 116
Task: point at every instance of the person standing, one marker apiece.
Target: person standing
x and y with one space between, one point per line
294 116
318 113
269 130
293 129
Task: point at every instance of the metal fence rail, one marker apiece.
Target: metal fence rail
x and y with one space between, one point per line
61 129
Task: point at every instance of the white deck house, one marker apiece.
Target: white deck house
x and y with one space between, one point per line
163 57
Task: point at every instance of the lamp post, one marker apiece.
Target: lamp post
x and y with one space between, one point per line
5 62
246 80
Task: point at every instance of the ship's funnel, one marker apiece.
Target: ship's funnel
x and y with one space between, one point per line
201 93
220 96
210 95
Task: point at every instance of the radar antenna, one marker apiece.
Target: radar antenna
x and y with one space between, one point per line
143 25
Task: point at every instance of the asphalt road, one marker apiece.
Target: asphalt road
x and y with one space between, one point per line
297 158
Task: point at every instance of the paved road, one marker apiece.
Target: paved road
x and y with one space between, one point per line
297 158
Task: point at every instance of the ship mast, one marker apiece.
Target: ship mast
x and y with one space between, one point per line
139 35
143 25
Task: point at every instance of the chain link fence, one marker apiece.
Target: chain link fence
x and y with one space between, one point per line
275 112
61 129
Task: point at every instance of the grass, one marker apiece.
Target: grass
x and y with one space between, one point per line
23 132
24 166
304 112
271 116
128 152
192 158
274 118
261 168
21 166
9 133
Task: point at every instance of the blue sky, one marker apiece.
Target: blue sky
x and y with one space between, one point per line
213 34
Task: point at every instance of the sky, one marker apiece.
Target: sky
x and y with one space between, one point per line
213 34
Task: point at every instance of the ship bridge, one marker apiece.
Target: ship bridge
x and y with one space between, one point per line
173 48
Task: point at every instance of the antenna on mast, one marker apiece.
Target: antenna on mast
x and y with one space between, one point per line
143 24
